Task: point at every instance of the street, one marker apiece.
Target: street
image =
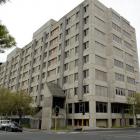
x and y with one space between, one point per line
91 135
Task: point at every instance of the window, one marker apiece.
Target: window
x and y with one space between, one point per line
125 23
100 75
61 25
76 62
71 78
66 67
67 21
131 93
129 58
70 108
67 42
100 35
101 91
131 80
86 59
68 31
71 65
77 38
53 41
86 32
52 72
65 79
45 54
116 108
59 57
118 63
60 36
120 91
52 62
86 19
60 45
118 52
86 8
101 107
52 51
86 73
86 45
99 22
99 47
129 68
67 54
116 27
81 107
86 89
75 90
41 97
77 14
42 86
100 61
119 77
77 26
115 16
76 49
58 69
127 45
43 75
117 39
53 32
128 35
76 77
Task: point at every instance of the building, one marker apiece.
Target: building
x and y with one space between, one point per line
85 65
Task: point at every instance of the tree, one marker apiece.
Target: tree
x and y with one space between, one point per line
6 40
3 1
22 103
15 103
6 103
134 108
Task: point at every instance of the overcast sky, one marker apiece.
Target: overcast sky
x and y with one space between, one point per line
23 17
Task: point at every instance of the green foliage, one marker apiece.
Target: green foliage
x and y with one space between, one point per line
6 40
15 103
3 1
135 104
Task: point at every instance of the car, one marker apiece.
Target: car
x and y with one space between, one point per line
4 124
14 127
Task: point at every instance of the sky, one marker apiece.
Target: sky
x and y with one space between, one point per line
24 17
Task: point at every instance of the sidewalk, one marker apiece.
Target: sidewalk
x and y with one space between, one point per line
85 130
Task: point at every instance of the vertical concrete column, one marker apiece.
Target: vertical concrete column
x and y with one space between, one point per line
62 53
92 110
41 67
31 68
109 115
18 71
80 55
73 108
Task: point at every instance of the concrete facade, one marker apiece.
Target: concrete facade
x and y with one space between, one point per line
91 54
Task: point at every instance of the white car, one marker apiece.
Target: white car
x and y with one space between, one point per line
4 124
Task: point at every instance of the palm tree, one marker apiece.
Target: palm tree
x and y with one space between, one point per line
3 1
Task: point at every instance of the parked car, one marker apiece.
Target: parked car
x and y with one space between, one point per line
14 127
4 124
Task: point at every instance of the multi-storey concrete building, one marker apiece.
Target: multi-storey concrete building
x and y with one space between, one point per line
86 64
